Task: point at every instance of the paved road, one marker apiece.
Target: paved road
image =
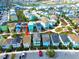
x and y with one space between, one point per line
61 54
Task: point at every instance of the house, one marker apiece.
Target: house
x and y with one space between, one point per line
39 27
31 26
55 39
46 39
18 27
36 39
13 16
27 41
75 39
65 39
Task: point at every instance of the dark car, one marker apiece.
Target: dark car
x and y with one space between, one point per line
23 56
6 56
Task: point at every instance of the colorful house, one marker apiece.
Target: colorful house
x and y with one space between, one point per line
55 39
36 39
27 41
18 27
31 26
39 26
46 40
65 39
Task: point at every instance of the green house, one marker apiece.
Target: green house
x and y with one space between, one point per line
4 28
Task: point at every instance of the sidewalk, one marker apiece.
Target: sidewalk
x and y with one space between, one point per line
32 51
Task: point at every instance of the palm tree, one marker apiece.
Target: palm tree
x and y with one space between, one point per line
31 40
70 45
41 41
60 45
50 39
49 32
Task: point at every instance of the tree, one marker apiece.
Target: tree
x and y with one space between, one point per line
70 45
21 45
49 33
69 28
31 40
21 16
61 46
41 41
58 21
1 31
9 49
1 49
50 53
75 26
8 30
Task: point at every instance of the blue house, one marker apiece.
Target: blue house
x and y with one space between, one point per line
55 39
65 39
39 26
46 40
31 26
36 39
49 25
18 27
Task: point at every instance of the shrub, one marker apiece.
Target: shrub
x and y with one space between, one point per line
76 48
31 41
61 46
1 31
0 49
70 45
9 49
26 48
19 49
53 47
42 47
33 48
50 53
69 28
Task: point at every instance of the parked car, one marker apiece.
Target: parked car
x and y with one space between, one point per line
40 53
6 56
